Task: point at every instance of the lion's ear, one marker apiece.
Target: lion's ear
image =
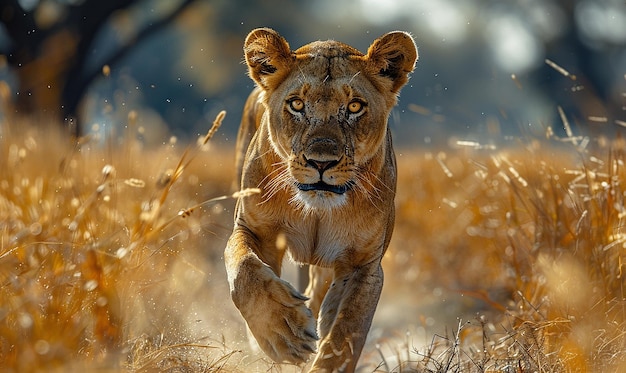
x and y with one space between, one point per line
268 57
393 56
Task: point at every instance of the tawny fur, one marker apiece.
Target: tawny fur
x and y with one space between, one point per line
319 148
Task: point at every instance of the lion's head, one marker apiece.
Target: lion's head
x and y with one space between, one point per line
327 106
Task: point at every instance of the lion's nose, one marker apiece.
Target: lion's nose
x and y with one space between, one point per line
321 166
322 149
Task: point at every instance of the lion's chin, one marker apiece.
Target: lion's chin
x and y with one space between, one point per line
319 199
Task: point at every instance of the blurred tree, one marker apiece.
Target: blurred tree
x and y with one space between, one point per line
589 90
51 44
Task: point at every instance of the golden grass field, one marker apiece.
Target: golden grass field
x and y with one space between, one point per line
503 260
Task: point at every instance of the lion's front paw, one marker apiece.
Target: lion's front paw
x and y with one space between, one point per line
277 316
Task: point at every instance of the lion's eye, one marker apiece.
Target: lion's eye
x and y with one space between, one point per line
355 107
296 105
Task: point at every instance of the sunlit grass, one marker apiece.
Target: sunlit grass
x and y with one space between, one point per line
106 244
536 233
97 239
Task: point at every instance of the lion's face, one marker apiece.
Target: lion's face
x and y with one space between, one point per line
325 120
327 106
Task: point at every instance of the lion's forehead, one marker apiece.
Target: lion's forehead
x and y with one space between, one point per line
328 80
325 95
329 70
327 49
328 64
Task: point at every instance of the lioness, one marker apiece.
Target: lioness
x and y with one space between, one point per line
320 151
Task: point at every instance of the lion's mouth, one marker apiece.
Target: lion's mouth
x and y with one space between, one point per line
320 185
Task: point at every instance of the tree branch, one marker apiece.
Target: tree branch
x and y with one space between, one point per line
78 83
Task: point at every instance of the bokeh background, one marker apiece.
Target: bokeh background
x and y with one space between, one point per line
482 74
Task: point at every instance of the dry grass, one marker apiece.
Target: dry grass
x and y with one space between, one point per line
536 234
103 246
108 249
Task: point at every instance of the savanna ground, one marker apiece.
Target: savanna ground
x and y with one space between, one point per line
503 260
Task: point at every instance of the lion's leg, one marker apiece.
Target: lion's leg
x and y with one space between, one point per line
319 281
345 317
274 310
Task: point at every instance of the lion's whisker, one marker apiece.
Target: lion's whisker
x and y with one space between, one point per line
279 179
373 192
354 76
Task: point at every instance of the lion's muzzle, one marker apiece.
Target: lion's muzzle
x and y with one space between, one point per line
323 159
321 167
